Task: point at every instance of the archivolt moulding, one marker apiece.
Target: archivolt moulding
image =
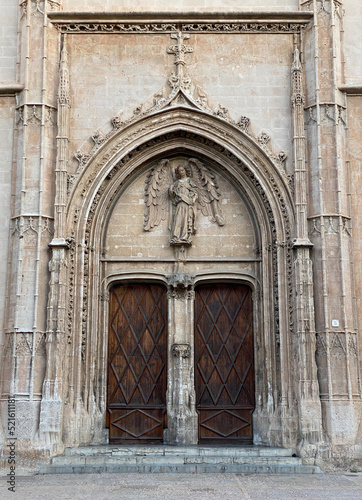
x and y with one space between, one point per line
152 133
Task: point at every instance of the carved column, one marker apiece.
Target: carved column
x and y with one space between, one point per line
330 227
181 414
51 404
309 408
32 216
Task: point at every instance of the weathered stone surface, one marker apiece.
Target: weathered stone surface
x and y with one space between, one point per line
268 104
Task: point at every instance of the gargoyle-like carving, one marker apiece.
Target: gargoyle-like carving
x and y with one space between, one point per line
189 187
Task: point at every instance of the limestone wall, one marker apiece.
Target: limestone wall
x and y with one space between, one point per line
355 164
181 5
8 36
249 74
352 42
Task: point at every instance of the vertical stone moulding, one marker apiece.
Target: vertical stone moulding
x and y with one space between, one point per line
310 417
50 427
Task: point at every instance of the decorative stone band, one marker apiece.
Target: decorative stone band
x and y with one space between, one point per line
181 350
245 22
32 223
32 113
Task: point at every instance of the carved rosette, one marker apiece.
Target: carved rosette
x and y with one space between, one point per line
181 350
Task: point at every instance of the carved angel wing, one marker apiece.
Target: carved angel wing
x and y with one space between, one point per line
156 195
208 190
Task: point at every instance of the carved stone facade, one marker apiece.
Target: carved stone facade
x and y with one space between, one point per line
185 149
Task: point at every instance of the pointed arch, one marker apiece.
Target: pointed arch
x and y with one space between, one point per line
260 181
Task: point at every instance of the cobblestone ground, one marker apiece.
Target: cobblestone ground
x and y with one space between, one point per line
185 487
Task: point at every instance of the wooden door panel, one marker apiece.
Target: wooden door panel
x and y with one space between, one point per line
137 362
224 362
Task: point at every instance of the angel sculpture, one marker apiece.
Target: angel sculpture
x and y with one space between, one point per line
190 187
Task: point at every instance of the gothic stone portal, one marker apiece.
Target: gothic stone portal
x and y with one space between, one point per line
137 364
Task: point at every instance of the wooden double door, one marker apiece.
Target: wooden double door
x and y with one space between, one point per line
137 363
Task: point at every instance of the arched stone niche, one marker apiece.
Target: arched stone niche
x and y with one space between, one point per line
106 247
125 237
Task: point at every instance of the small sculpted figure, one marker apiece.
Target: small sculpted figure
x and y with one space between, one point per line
183 194
189 188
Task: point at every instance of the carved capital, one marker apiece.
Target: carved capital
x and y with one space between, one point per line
180 280
181 350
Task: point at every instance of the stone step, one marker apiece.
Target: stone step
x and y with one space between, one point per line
164 450
171 460
179 459
269 468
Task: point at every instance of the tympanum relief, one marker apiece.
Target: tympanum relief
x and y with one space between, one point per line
178 194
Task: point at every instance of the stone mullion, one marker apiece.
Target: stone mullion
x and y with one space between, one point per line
182 421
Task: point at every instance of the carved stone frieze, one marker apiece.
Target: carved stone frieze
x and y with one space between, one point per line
38 7
24 344
347 226
242 27
257 26
325 7
26 224
321 346
332 224
352 345
330 114
32 114
338 346
40 349
315 226
181 350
